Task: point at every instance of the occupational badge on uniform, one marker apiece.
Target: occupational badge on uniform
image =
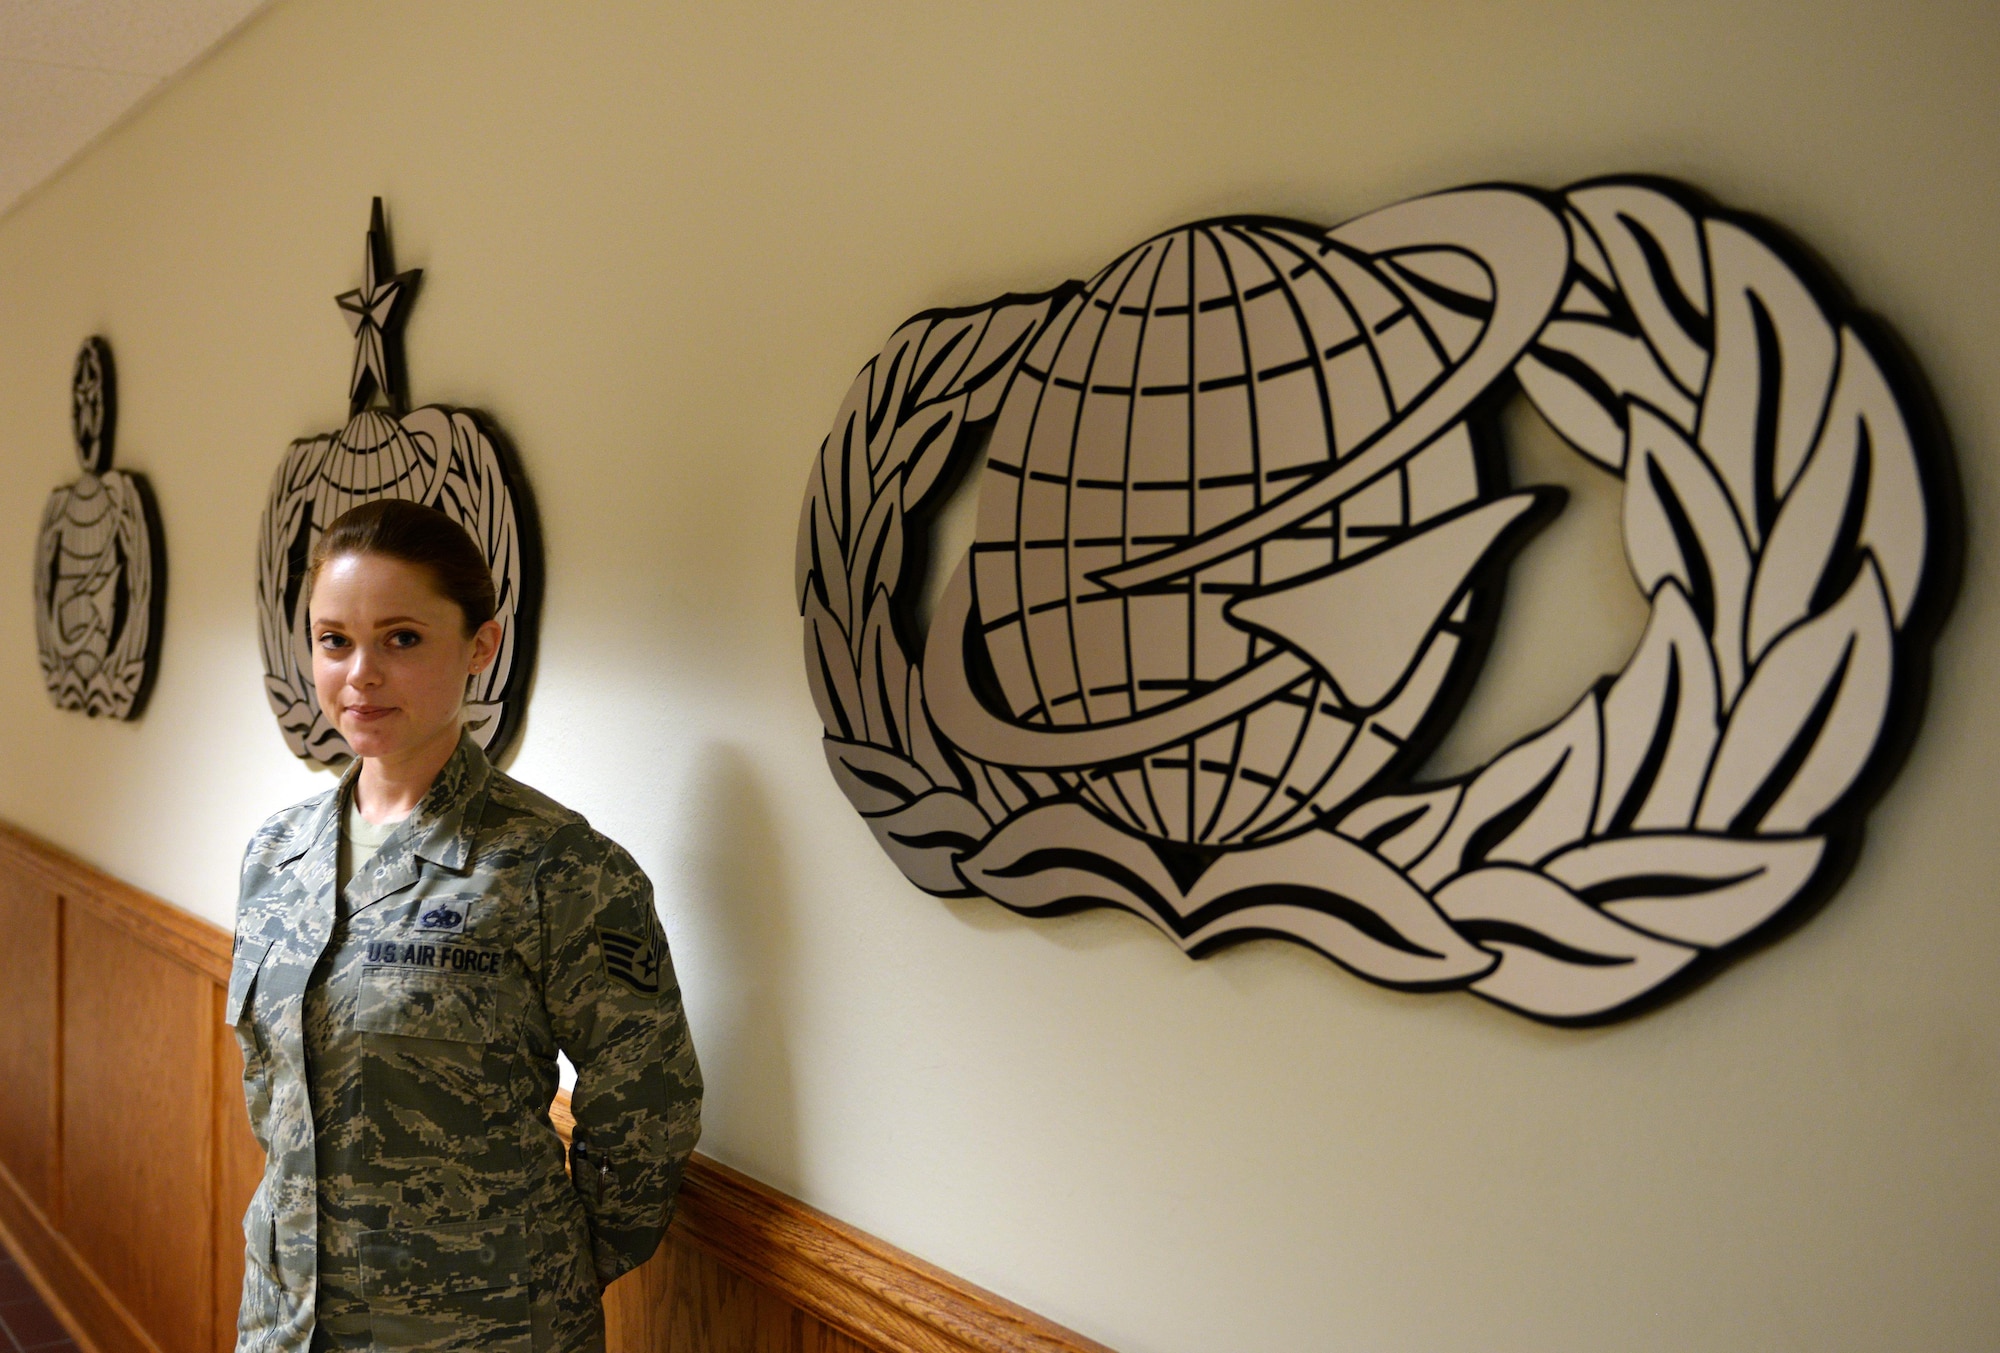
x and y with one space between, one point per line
448 458
633 960
1240 533
100 564
444 917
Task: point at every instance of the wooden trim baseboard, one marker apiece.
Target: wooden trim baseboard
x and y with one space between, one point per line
74 1293
874 1293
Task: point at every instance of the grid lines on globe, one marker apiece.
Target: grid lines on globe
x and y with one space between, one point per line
1203 375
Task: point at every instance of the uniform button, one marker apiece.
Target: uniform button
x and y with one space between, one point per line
486 1254
404 1263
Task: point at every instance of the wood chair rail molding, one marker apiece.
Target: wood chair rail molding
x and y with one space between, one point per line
745 1269
868 1289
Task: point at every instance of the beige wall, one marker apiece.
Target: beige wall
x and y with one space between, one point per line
658 242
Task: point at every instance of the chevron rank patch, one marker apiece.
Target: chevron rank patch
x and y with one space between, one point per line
631 959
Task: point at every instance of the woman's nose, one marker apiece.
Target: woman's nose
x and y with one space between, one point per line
366 670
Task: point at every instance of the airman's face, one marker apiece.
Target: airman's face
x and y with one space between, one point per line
390 654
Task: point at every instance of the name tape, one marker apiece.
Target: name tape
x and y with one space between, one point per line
441 957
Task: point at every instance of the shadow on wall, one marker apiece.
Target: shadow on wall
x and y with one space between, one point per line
738 904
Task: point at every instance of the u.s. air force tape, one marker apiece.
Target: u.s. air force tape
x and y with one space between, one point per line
631 959
443 957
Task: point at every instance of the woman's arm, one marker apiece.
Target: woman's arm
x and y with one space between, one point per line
609 987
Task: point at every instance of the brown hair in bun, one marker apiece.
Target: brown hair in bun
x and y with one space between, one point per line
396 528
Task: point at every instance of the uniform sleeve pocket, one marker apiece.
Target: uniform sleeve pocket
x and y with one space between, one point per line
242 977
425 1005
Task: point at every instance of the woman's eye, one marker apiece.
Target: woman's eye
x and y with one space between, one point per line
404 639
332 641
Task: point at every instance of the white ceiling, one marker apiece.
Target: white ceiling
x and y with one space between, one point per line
69 69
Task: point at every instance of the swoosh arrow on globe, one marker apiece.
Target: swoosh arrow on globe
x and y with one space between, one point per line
1364 622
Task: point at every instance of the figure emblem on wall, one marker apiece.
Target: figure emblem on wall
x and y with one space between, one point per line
100 564
450 459
1240 537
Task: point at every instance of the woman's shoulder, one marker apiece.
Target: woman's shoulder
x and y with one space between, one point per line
538 826
530 817
290 827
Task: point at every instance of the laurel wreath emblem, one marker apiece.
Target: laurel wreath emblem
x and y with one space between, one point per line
441 457
1777 510
100 564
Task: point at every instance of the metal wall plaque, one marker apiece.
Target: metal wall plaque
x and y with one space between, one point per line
1241 531
450 459
100 564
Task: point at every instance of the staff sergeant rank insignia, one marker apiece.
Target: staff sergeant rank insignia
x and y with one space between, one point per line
631 959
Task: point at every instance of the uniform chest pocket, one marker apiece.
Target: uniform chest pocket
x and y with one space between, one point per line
425 1074
428 1005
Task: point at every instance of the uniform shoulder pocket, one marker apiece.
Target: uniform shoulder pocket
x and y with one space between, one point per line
425 1005
243 968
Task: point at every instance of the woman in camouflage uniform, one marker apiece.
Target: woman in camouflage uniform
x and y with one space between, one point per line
413 947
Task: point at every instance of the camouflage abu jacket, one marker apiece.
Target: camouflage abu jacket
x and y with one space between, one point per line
430 1208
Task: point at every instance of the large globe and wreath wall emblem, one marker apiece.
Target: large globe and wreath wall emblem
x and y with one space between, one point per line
447 458
1240 536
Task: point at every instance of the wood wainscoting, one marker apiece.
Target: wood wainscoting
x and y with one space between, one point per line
126 1162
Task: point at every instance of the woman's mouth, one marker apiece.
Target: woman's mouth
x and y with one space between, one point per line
369 713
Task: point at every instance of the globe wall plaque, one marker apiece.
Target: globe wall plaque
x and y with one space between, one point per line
100 564
447 458
1241 531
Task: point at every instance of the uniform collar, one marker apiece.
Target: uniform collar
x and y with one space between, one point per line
441 826
445 822
323 815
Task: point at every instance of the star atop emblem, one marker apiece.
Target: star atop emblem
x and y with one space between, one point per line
374 312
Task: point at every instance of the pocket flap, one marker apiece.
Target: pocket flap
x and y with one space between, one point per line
250 953
425 1005
468 1256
